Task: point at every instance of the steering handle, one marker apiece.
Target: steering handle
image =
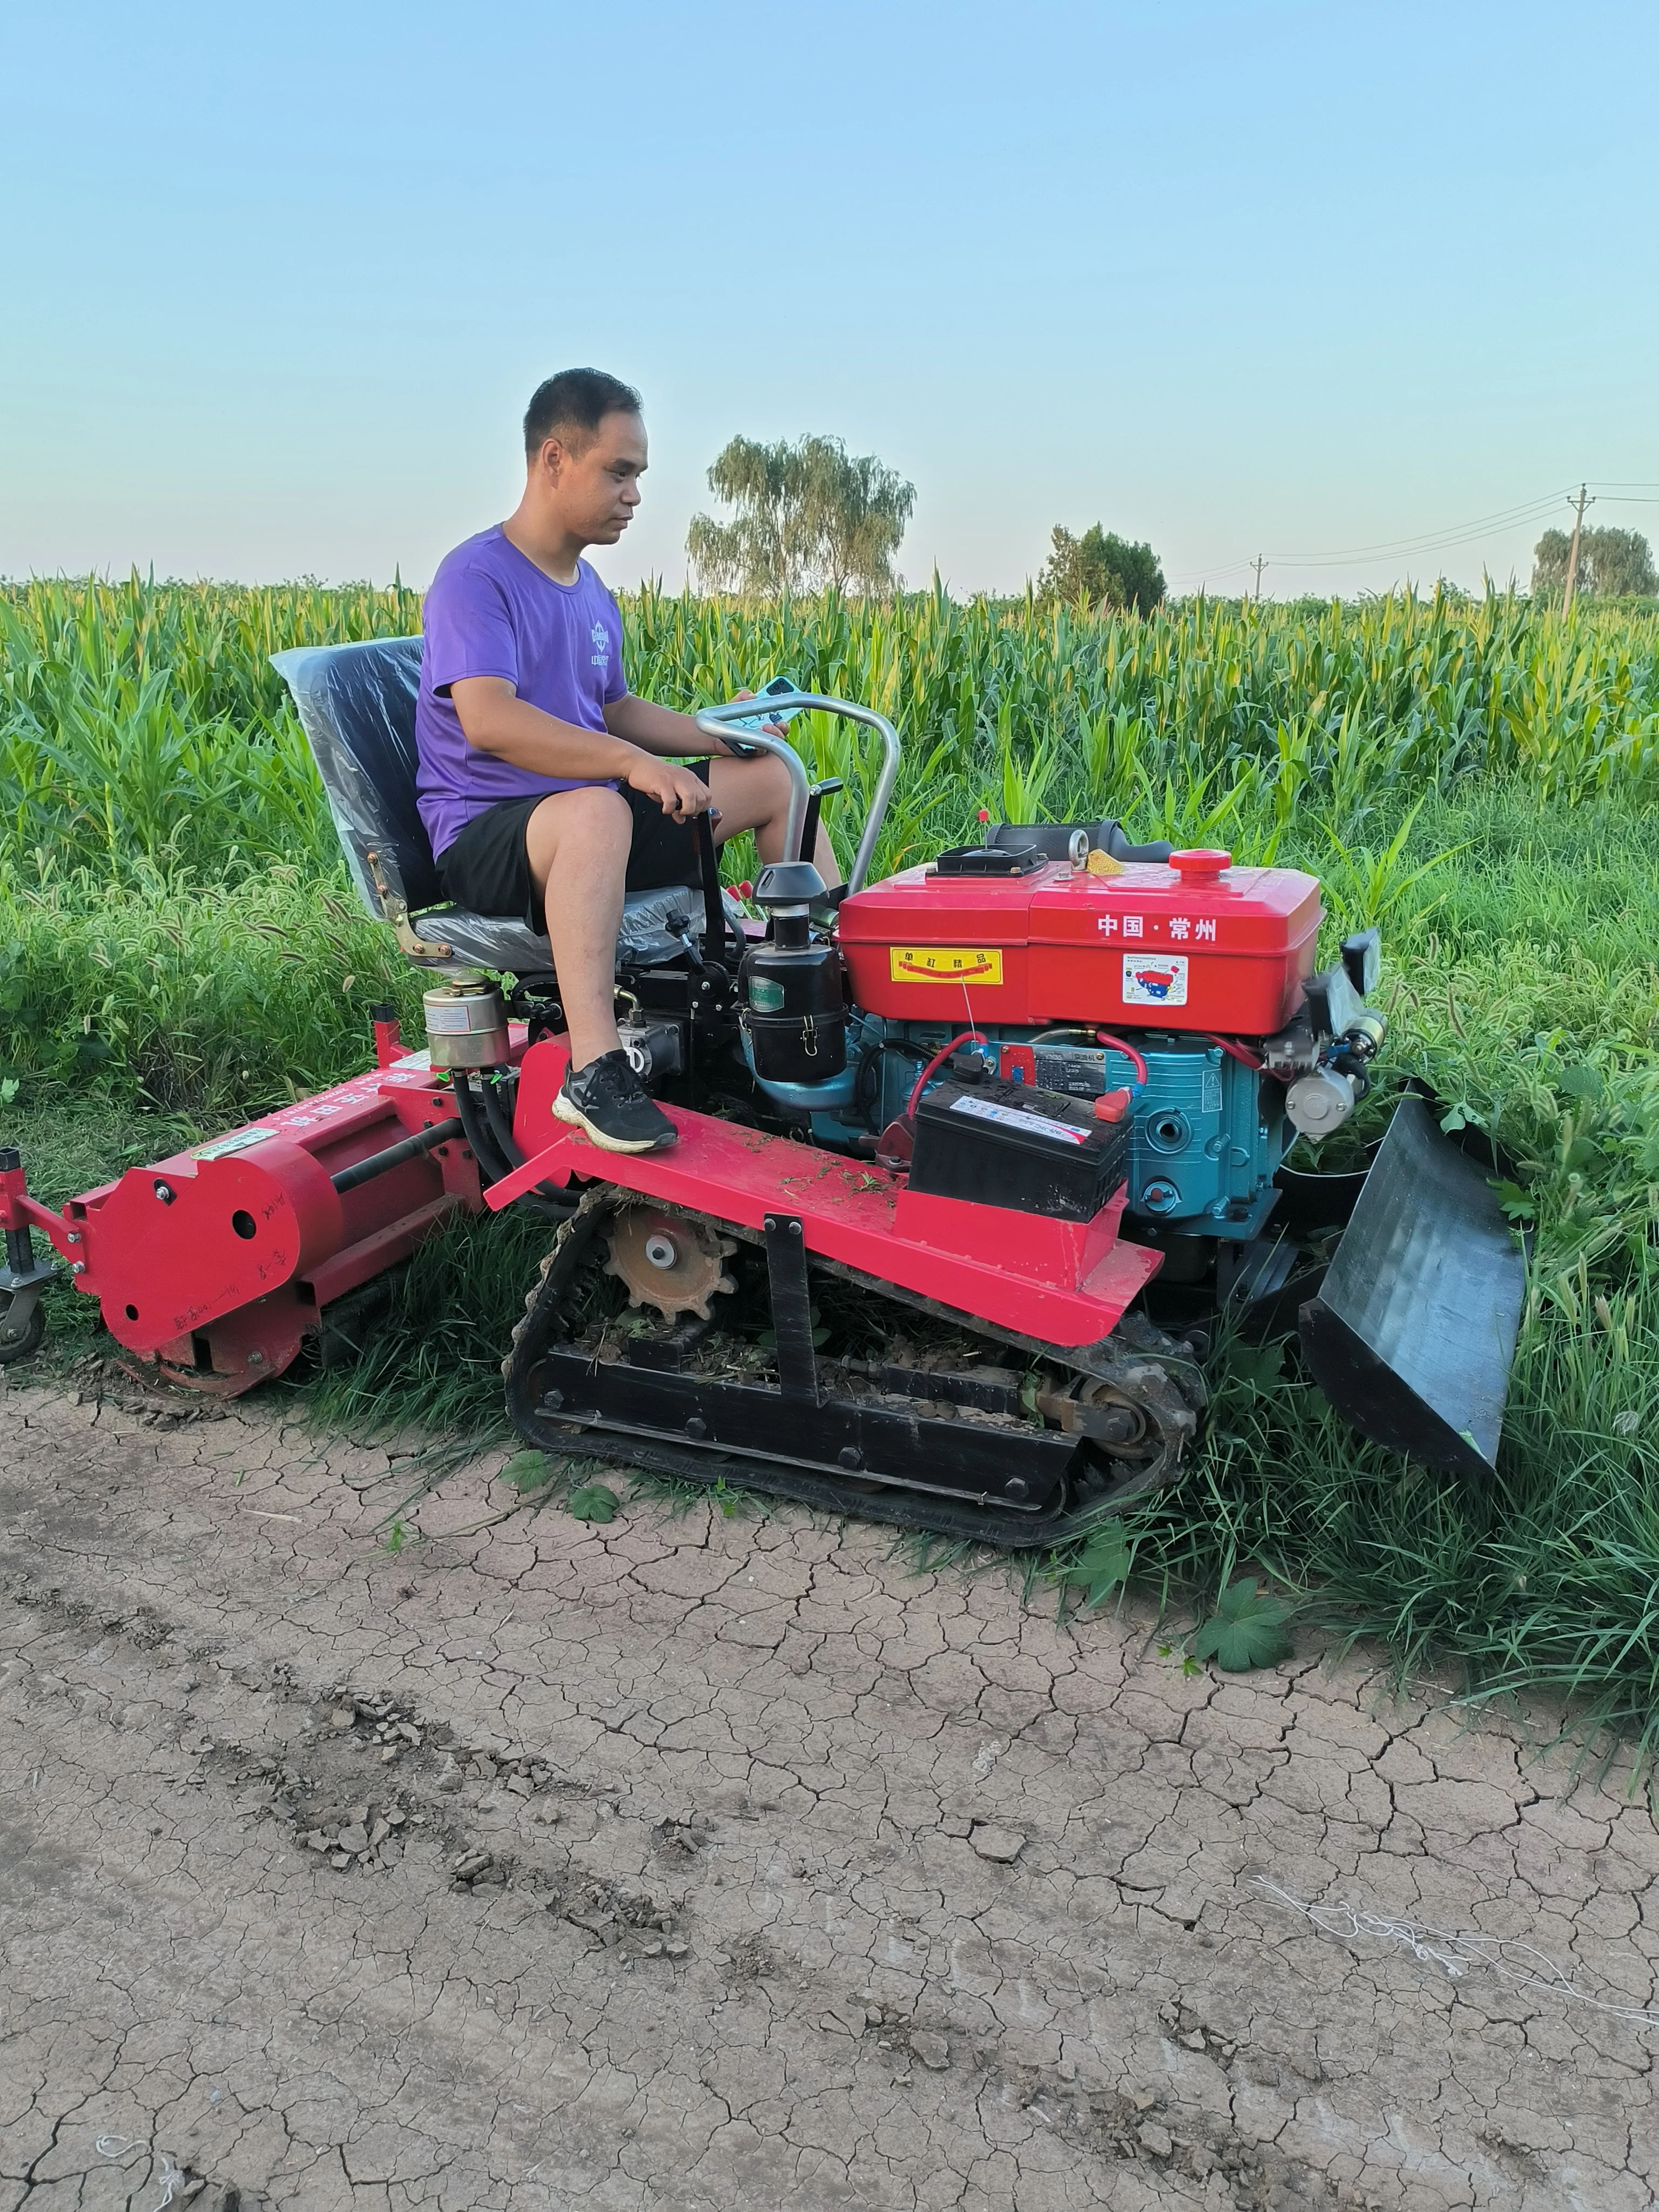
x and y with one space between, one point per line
714 722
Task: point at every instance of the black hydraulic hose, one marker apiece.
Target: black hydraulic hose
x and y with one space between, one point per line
501 1128
490 1135
484 1148
411 1148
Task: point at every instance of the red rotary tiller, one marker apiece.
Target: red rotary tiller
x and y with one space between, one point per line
970 1160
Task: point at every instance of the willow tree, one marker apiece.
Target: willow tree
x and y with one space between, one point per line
809 517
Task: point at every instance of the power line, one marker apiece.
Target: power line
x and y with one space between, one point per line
1520 514
1430 541
1424 543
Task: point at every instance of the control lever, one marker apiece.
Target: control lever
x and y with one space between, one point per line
680 926
714 911
816 793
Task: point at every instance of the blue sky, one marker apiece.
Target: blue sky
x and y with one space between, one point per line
1301 280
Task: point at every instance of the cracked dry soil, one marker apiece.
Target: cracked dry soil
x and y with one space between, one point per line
693 1863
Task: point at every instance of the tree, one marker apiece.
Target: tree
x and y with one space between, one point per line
809 517
1103 567
1612 563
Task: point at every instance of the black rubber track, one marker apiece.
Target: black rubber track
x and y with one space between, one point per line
830 1490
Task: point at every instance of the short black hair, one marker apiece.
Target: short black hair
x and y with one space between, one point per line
575 399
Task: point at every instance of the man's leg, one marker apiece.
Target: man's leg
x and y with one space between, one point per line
578 842
754 794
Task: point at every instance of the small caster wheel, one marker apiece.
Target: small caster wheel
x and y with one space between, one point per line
24 1334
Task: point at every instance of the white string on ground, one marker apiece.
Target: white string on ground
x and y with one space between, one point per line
1514 1960
171 2177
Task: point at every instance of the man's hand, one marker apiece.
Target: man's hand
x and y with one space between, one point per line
736 747
681 795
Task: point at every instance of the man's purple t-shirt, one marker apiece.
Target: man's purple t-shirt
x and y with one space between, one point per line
491 611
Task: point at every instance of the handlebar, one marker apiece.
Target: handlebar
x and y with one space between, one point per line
713 721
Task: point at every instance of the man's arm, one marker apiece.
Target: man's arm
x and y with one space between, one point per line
494 720
658 729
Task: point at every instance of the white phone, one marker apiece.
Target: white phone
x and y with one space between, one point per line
779 688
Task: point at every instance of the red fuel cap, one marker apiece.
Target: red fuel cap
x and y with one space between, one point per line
1200 867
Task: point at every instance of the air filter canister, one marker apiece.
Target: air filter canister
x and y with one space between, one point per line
466 1026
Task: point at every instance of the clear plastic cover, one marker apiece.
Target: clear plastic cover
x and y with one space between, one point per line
356 706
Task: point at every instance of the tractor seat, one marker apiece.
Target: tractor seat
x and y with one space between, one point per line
357 707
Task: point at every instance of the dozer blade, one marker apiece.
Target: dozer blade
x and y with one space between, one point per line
1412 1331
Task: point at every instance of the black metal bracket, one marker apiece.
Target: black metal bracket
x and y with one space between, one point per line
792 1306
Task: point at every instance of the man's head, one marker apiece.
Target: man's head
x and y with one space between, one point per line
585 453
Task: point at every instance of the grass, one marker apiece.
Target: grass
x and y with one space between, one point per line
180 949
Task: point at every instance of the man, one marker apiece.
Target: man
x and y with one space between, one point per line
545 784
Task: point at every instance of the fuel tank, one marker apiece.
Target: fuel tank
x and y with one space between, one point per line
1194 944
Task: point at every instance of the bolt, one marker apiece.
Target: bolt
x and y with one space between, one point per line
850 1456
165 1193
696 1426
794 1228
73 1237
553 1400
255 1359
1015 1487
78 1266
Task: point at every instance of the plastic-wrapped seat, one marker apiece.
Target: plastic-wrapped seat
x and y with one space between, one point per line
357 707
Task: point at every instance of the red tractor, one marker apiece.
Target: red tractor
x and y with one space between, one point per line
971 1161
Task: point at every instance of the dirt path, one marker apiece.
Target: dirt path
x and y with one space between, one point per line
712 1863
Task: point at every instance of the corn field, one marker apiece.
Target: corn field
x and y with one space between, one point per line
142 724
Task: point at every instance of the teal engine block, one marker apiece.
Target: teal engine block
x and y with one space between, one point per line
1208 1132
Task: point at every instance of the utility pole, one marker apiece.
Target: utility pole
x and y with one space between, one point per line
1580 504
1257 564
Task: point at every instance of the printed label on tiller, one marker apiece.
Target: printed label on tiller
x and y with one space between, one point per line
223 1147
1154 978
944 963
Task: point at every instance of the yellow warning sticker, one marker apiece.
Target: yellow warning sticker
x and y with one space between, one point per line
944 964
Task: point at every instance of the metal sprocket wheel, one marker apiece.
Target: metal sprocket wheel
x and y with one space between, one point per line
669 1261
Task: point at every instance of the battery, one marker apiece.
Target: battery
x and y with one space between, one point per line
1008 1144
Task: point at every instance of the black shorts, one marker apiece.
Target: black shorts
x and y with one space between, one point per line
487 869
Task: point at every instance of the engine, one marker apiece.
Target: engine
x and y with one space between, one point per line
1090 970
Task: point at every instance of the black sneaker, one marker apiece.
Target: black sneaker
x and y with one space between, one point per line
606 1101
